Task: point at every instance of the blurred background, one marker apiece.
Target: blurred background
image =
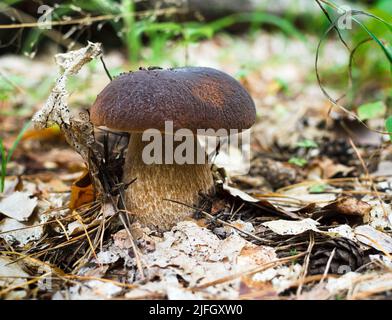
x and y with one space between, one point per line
269 46
319 72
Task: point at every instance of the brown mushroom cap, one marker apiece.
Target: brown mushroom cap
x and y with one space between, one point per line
191 97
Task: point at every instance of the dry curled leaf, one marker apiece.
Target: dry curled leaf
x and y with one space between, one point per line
374 238
350 206
346 206
82 191
56 109
78 132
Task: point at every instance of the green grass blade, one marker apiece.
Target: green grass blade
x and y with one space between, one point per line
386 50
17 140
3 165
257 17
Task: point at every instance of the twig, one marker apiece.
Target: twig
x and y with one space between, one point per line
328 265
79 219
89 20
134 247
106 69
306 262
330 20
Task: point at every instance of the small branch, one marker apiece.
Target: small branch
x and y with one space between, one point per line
106 69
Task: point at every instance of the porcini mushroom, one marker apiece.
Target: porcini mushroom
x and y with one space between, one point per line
192 98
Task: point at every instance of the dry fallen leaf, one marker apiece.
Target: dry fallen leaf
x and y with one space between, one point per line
11 274
380 215
18 205
193 254
82 191
280 277
50 133
11 185
262 203
350 206
326 168
238 193
301 193
287 227
90 290
14 231
358 284
374 238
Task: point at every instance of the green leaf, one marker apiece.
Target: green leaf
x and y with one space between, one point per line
371 110
5 158
242 73
293 252
307 144
385 49
318 188
17 140
388 126
300 162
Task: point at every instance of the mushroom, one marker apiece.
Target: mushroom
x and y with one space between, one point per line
192 98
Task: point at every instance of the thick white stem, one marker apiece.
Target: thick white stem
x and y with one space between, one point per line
155 182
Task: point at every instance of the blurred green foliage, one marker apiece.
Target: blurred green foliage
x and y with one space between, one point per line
369 68
133 31
5 156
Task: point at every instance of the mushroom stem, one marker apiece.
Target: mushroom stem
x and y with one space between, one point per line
155 182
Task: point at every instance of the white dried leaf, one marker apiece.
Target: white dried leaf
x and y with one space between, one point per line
242 225
10 185
178 293
281 277
197 256
107 257
238 193
252 254
380 282
77 226
91 290
11 273
288 227
169 287
374 238
356 283
344 231
74 227
108 209
73 61
380 215
232 160
55 110
387 261
344 282
77 132
14 231
18 205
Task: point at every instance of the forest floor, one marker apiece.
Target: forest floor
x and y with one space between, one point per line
311 219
